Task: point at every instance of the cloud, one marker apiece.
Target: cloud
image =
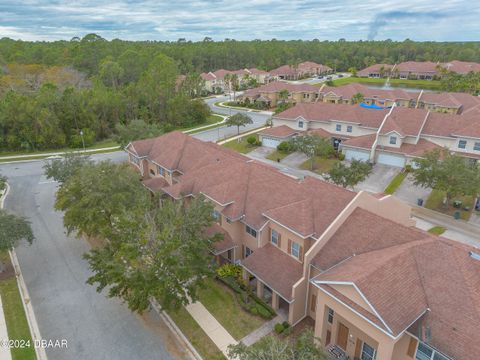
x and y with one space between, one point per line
242 20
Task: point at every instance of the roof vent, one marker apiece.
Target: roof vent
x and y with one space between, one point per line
474 255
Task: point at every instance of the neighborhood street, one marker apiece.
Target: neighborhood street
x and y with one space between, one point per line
95 326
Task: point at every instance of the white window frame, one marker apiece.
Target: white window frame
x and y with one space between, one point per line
292 246
161 170
434 352
349 128
464 142
476 146
272 237
392 140
300 124
330 315
368 356
338 127
216 215
249 230
248 252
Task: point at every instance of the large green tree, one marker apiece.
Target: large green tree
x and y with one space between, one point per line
239 119
63 168
349 175
13 229
311 146
447 172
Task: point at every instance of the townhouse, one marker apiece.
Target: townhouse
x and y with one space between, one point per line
445 102
425 70
271 93
394 136
299 71
214 82
353 262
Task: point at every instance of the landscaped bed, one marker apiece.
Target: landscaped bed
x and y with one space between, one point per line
437 230
17 325
321 165
435 202
395 183
278 155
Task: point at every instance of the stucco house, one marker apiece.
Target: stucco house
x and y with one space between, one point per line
392 136
353 262
301 70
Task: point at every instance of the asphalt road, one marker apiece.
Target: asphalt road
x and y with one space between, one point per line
223 132
95 326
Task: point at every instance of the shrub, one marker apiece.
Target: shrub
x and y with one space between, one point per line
278 328
263 312
258 143
408 168
286 325
229 270
252 140
287 331
284 146
341 156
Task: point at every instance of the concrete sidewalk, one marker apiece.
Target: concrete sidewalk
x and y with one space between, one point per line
4 350
211 326
262 331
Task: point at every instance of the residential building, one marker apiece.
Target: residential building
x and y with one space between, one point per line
270 94
461 67
393 136
301 70
376 287
215 81
376 71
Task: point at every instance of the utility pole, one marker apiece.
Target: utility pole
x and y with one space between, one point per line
83 141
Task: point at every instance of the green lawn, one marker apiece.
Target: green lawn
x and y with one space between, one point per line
202 343
277 155
211 120
437 230
395 183
241 146
320 165
435 202
17 325
425 84
221 303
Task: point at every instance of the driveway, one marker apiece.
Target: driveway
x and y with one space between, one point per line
379 179
65 307
294 160
261 152
410 193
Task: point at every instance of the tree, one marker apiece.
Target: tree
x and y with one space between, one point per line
136 130
283 95
349 176
353 71
239 119
166 259
312 145
103 199
13 229
357 98
443 171
62 169
305 347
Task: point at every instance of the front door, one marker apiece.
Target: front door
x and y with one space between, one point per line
342 336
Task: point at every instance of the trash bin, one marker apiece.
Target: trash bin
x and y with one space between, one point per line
456 215
420 202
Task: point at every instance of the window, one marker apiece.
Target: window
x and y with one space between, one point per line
275 237
330 315
251 231
393 140
248 251
152 172
161 170
338 127
368 353
216 215
462 144
295 250
135 160
425 352
228 220
349 128
476 146
300 124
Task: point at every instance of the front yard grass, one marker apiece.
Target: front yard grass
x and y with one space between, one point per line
17 325
199 339
435 202
425 84
277 155
395 183
320 165
437 230
222 304
241 146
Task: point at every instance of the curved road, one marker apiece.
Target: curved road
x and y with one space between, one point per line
95 326
223 132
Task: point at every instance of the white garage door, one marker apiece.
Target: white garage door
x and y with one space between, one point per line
271 143
357 155
391 160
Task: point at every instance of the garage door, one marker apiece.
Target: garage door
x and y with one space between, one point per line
357 155
269 142
391 160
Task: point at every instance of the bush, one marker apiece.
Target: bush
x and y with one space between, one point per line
252 140
284 146
258 143
408 168
229 270
278 328
263 312
341 156
286 325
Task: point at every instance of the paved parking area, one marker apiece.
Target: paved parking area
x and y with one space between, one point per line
410 193
379 179
294 160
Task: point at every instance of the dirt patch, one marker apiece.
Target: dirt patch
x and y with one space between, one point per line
8 272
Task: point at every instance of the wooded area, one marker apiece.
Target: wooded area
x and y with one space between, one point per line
50 91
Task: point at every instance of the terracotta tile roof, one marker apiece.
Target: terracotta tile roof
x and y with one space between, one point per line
269 264
304 67
208 76
363 142
256 71
223 245
397 269
447 125
405 121
374 69
452 100
415 150
327 112
347 91
155 184
277 86
282 131
322 133
462 67
417 67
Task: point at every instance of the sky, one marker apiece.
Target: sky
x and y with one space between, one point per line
422 20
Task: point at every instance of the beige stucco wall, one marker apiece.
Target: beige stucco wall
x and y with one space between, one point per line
384 140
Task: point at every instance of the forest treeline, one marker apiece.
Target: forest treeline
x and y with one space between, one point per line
52 91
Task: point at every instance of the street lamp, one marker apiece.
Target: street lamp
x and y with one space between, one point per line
83 141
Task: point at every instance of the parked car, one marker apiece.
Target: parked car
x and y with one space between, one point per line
329 78
340 75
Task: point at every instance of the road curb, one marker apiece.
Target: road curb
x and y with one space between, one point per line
242 135
22 288
191 351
